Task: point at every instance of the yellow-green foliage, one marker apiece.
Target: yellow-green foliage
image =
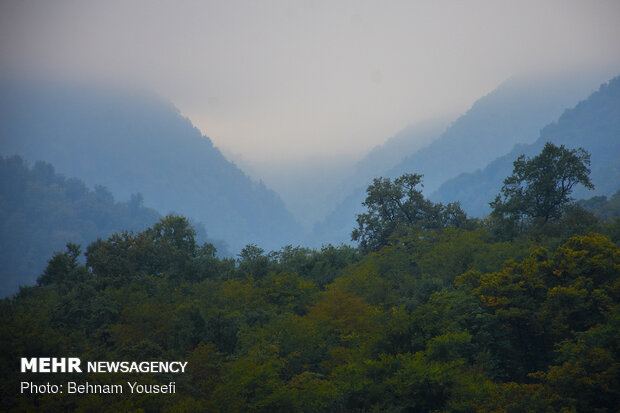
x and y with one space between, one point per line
446 320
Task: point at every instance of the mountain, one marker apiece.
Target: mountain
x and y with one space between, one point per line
383 157
513 113
594 124
132 141
306 186
40 211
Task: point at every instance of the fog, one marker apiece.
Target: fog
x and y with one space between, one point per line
279 81
296 93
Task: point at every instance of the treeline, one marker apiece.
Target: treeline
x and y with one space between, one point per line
41 210
445 314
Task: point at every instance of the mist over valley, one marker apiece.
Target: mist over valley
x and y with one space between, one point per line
310 206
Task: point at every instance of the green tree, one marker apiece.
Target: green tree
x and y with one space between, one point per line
253 261
539 189
395 207
63 267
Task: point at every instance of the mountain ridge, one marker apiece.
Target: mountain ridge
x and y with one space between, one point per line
137 142
593 123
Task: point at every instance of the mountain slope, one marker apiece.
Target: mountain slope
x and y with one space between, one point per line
382 158
134 142
513 113
593 124
342 204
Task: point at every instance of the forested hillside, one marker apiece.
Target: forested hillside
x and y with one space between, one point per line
607 209
131 142
593 124
513 113
447 313
40 211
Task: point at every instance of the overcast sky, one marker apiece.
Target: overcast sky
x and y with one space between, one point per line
281 80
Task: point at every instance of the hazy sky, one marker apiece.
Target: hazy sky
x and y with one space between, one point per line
281 80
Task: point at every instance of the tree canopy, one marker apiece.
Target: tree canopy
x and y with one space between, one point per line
539 189
399 206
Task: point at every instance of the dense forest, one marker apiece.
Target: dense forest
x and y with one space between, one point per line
435 311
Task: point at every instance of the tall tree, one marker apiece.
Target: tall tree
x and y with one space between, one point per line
540 188
395 207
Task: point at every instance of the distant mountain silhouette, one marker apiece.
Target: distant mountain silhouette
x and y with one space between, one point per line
382 158
594 124
511 114
131 141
